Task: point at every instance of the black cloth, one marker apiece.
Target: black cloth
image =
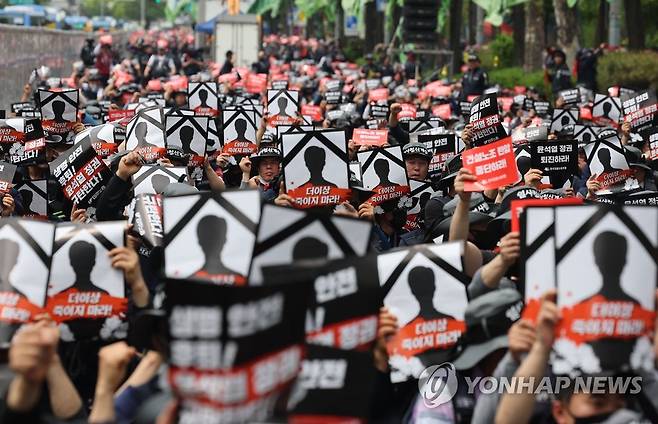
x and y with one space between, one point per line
113 200
227 67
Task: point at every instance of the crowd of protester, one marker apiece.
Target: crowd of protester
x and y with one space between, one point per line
47 379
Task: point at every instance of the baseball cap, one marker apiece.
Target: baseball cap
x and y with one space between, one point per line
452 167
416 149
267 152
472 57
479 212
504 214
488 318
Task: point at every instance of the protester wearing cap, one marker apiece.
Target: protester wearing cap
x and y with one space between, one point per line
417 159
475 79
643 173
267 164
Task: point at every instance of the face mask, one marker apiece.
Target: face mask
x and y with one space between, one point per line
593 419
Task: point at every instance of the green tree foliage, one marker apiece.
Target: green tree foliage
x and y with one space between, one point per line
123 9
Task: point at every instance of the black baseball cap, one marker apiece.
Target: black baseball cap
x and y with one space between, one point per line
416 149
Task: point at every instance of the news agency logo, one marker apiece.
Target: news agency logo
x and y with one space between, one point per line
438 384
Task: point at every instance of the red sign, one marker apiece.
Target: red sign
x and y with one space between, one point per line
315 112
364 137
408 111
517 206
494 165
256 83
116 115
442 111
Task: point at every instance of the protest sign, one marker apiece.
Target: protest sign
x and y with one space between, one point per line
202 98
22 141
607 319
485 120
420 193
333 386
214 142
233 351
384 173
443 146
584 134
313 111
651 138
555 156
86 295
315 167
186 141
418 125
288 235
365 137
287 129
416 282
25 255
640 109
379 111
146 134
210 237
494 165
255 83
239 135
282 107
81 174
644 197
145 215
120 114
35 198
564 121
7 172
570 98
542 108
606 110
104 138
154 179
59 111
606 159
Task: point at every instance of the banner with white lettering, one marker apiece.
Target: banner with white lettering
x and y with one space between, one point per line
640 109
145 215
86 295
607 319
485 120
22 140
233 350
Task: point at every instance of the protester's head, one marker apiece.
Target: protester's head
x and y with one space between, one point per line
82 256
559 57
229 55
8 259
268 162
473 61
579 407
417 159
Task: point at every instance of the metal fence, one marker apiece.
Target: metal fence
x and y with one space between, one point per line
23 49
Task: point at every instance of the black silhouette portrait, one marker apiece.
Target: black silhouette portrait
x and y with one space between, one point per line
604 157
382 169
28 197
315 159
241 130
58 110
607 107
211 236
186 135
587 137
564 121
203 97
282 102
159 182
610 250
82 256
309 248
141 130
523 164
423 285
9 250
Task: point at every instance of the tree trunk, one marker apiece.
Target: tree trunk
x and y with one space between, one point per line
455 33
614 29
634 24
472 19
534 35
339 24
371 20
567 29
601 23
518 23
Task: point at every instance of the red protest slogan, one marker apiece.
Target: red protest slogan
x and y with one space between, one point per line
421 335
205 111
15 308
73 304
310 195
378 94
365 137
221 279
239 147
599 318
357 333
493 164
386 193
315 112
116 115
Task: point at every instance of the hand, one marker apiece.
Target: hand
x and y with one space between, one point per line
78 127
8 205
521 337
112 363
222 160
78 215
533 177
32 350
569 192
463 176
593 185
626 128
346 209
510 248
387 328
245 166
548 317
367 211
165 162
253 182
27 90
467 135
283 199
129 165
127 260
395 109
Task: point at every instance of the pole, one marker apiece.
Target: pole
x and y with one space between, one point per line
142 13
614 30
